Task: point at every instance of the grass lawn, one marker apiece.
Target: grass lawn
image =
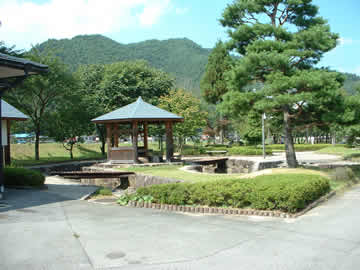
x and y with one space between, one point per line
23 154
174 172
342 150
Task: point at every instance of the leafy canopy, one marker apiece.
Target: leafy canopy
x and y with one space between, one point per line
184 104
280 42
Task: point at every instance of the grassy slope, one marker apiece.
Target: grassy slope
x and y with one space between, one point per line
23 154
174 172
342 150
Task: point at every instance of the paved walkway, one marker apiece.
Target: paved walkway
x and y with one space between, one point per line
52 229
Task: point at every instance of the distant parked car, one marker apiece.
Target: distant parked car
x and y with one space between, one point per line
21 142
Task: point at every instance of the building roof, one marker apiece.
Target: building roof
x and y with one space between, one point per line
10 112
138 110
11 66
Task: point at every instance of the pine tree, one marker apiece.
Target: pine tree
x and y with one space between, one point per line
280 42
213 84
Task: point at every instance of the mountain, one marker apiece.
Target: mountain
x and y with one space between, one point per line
182 58
351 81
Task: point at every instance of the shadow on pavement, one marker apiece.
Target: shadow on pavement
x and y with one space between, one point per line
25 198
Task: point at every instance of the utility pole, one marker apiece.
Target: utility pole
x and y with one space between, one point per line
263 134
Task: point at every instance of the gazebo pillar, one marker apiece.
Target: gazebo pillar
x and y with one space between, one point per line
7 147
169 141
108 140
116 135
146 136
135 133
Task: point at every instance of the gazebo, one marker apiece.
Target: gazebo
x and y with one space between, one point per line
137 114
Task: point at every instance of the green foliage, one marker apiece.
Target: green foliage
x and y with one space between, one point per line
184 104
299 147
213 84
285 192
70 121
233 150
37 96
281 42
124 82
104 191
126 198
182 58
351 83
23 177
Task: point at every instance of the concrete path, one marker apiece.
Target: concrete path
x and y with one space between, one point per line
52 229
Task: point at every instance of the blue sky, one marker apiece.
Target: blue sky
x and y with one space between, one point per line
27 22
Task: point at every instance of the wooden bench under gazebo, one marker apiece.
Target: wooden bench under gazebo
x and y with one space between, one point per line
135 116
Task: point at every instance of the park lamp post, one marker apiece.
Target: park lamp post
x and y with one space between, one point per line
263 117
13 71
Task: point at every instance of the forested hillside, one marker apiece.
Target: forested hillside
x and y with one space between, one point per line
351 82
182 58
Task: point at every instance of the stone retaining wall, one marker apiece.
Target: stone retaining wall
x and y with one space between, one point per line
141 180
247 166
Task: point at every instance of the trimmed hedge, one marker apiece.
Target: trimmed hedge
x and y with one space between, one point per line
285 192
299 147
23 177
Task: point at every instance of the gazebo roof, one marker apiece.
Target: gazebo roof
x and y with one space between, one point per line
138 110
11 113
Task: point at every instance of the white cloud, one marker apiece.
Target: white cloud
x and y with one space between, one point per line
25 23
152 12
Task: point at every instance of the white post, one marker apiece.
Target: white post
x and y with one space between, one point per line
263 134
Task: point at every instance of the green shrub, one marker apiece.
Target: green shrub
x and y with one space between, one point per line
23 177
285 192
104 191
299 147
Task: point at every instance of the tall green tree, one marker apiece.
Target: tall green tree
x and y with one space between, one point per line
69 121
280 42
38 95
89 78
184 104
213 83
124 82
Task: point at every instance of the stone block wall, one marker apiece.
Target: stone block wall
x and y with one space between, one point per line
239 166
142 180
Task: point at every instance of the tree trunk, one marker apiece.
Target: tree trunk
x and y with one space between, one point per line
289 143
37 142
71 151
333 139
102 135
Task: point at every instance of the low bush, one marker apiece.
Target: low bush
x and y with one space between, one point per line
104 191
285 192
23 177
